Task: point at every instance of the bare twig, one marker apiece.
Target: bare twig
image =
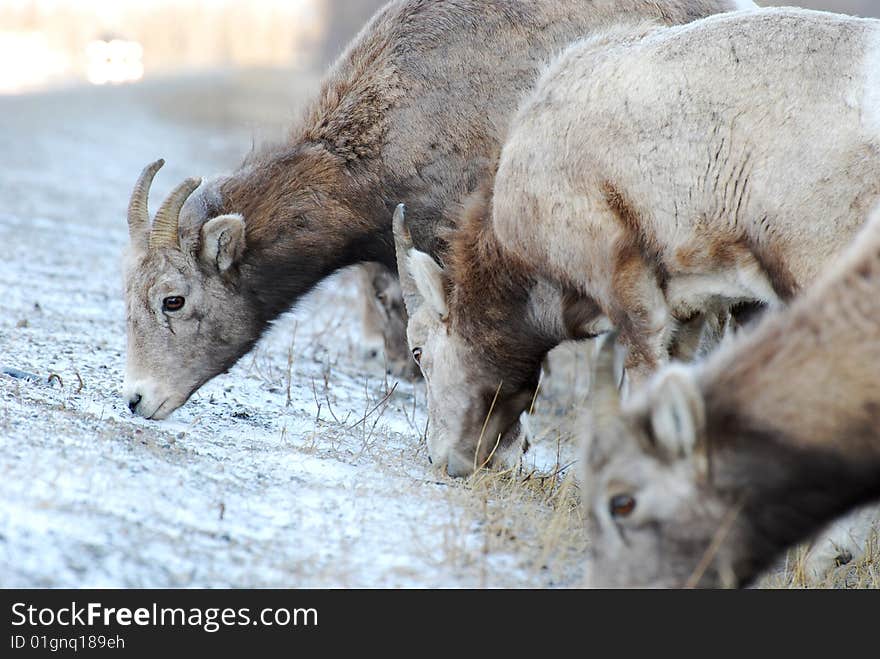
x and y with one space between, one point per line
290 361
375 407
317 402
714 546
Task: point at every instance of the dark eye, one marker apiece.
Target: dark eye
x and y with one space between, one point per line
621 505
173 303
417 355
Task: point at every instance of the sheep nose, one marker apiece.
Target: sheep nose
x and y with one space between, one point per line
134 401
457 467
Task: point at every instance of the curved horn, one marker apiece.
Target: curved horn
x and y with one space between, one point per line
164 231
138 214
402 245
604 390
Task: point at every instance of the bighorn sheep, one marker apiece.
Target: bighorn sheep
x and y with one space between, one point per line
424 92
654 174
712 470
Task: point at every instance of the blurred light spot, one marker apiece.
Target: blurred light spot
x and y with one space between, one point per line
27 61
114 61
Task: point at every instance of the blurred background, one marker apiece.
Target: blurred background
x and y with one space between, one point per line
51 43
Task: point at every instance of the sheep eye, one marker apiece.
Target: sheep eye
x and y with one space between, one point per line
417 355
621 505
173 303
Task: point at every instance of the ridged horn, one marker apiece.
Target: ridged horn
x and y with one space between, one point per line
138 213
402 245
165 227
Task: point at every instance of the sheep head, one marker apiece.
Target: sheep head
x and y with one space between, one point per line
188 317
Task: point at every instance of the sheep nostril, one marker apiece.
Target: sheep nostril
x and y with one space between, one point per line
134 401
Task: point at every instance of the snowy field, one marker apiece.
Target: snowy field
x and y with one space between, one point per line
301 467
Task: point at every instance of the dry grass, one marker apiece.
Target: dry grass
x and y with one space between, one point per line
862 573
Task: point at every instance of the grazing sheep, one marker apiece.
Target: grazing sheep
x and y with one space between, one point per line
710 472
424 92
658 170
655 174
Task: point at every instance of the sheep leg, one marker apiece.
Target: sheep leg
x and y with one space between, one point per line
699 335
686 342
641 315
372 320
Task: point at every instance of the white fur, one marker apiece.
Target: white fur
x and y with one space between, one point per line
686 293
845 538
676 417
428 277
223 241
718 189
871 89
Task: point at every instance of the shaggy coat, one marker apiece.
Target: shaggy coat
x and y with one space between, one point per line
648 180
657 171
728 463
411 111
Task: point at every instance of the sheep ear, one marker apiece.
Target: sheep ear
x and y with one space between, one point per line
429 279
223 241
678 416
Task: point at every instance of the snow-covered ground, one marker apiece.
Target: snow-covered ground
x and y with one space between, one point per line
301 467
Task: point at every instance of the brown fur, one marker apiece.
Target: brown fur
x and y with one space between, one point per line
489 293
325 208
410 113
637 236
798 459
373 137
773 264
577 311
831 335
